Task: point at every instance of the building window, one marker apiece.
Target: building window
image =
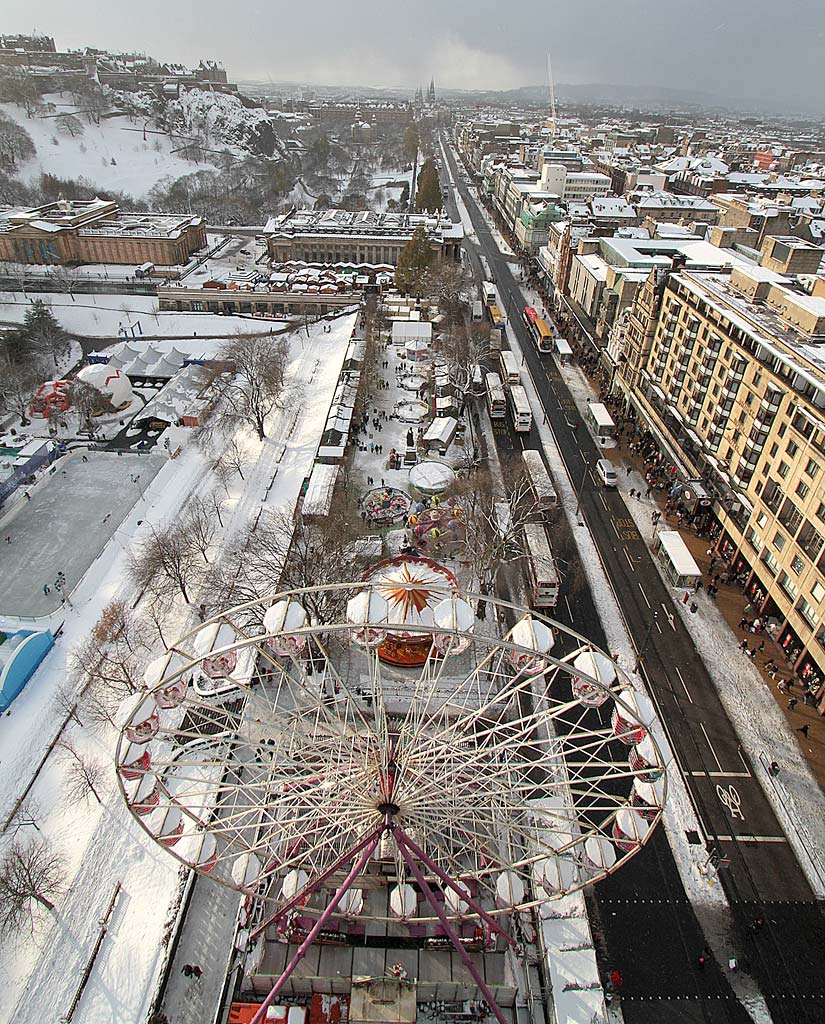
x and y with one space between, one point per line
807 613
820 512
778 541
790 516
797 565
788 585
792 448
810 540
761 519
812 469
802 489
783 469
782 428
774 450
817 592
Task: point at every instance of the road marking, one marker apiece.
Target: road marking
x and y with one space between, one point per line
715 758
670 619
629 560
644 595
658 626
618 535
687 691
751 839
730 799
604 503
720 775
569 609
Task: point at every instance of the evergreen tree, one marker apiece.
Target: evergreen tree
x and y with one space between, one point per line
42 331
413 263
428 196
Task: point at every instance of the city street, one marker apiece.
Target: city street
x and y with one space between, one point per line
762 876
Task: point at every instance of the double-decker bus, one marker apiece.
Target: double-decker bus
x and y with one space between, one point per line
520 409
496 402
509 367
496 318
542 574
541 333
540 480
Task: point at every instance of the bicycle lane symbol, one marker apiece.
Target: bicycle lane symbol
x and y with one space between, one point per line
730 799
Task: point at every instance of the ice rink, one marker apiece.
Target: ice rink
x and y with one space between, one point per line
66 524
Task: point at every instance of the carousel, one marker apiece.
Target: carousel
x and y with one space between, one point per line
412 589
386 506
437 527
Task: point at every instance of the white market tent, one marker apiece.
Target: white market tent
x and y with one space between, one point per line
411 330
678 563
318 497
441 432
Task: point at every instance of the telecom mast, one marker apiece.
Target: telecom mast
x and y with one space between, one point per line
552 98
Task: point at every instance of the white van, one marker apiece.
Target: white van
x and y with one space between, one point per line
607 473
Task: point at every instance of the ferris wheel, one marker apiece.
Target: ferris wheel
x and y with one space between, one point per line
420 759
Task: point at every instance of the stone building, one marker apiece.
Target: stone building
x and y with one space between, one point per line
94 231
338 236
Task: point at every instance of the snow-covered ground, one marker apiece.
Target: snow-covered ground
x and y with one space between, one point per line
113 155
103 316
101 844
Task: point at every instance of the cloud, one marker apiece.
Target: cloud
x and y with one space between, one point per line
459 66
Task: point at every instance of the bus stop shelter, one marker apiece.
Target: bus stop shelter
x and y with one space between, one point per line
676 560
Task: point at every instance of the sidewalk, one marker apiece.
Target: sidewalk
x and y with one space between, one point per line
730 604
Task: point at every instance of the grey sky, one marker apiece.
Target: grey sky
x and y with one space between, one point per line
748 48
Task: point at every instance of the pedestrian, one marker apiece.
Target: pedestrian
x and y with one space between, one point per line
774 769
46 588
647 492
616 978
8 538
792 703
702 960
197 971
761 646
804 730
187 970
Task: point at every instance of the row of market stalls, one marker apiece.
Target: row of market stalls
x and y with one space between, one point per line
150 360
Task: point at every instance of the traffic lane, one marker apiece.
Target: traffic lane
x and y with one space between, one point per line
816 924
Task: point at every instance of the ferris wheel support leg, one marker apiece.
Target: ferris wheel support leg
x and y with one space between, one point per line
301 951
402 838
316 883
454 938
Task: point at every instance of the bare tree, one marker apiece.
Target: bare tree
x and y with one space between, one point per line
199 526
235 457
21 273
447 282
106 666
165 562
493 524
215 504
280 554
84 775
31 876
68 124
255 387
65 278
66 698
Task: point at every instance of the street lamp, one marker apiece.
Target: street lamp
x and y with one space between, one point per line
642 651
